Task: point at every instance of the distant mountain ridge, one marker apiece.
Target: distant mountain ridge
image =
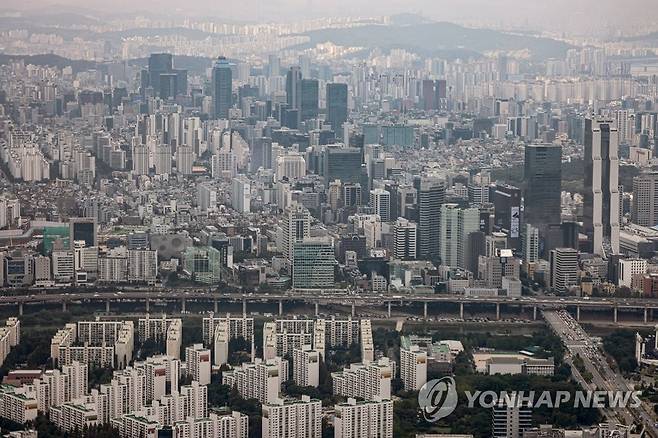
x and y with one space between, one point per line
436 38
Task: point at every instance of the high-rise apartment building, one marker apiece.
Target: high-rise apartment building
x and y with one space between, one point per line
306 366
413 365
292 418
197 359
356 419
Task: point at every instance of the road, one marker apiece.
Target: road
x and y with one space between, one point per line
45 295
579 343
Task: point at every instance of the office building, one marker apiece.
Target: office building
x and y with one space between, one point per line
261 154
313 263
83 229
222 88
380 201
206 198
241 194
507 211
294 88
140 159
530 244
162 79
295 227
291 166
644 210
342 164
431 194
162 159
628 269
455 225
543 179
184 159
563 269
601 200
337 106
405 235
309 99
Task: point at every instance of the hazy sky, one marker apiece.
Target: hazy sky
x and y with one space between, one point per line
544 13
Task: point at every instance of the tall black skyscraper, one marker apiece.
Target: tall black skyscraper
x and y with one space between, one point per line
261 154
343 164
294 88
337 106
159 63
83 229
431 195
310 91
543 177
222 88
507 207
161 76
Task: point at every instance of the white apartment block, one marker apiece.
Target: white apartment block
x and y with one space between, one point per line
155 328
342 332
413 367
365 380
18 404
222 339
174 338
94 342
10 336
279 340
239 327
319 337
197 360
261 380
306 366
367 346
292 418
364 419
229 425
75 415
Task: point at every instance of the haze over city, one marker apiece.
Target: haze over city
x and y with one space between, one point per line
347 219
